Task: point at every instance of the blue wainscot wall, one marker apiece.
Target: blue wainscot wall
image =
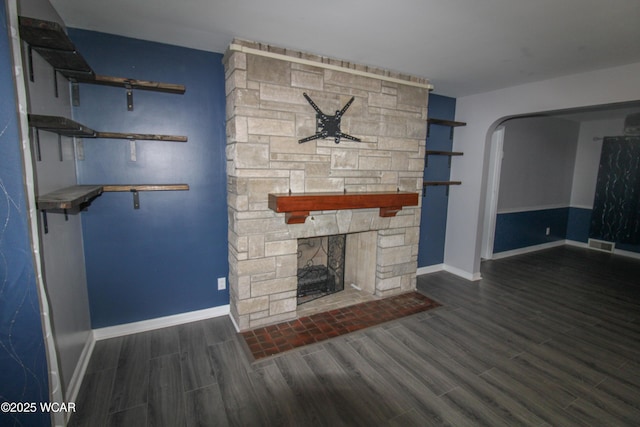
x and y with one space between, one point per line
520 230
23 363
433 222
164 258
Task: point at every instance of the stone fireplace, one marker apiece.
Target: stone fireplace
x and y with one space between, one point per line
266 116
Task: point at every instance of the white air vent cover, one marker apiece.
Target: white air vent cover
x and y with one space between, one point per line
601 245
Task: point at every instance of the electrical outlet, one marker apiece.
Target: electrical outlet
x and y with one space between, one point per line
548 231
222 283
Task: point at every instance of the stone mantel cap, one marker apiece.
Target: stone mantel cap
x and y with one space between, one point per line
262 49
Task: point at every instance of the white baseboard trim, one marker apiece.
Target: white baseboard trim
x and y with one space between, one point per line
453 270
235 325
576 244
160 322
520 251
429 269
616 251
71 393
462 273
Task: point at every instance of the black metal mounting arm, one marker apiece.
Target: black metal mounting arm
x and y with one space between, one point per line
328 126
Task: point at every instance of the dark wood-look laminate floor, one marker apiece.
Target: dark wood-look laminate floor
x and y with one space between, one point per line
544 339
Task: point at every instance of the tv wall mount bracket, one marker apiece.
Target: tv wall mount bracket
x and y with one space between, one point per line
328 126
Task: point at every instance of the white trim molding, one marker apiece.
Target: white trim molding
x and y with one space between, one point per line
532 208
461 273
526 250
245 49
81 369
160 322
429 269
616 251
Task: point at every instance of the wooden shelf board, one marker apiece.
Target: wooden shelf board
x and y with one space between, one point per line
68 198
51 41
445 122
443 153
144 187
436 183
134 84
60 125
67 127
141 136
298 206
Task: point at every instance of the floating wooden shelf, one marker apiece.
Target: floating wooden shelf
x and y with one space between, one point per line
436 183
61 126
145 187
443 153
450 123
440 153
426 184
67 127
298 206
68 198
442 122
51 41
131 83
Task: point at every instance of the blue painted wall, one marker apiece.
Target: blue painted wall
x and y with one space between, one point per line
578 224
164 258
23 363
522 229
433 222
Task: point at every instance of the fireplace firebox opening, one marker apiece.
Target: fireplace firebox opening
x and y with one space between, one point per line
321 262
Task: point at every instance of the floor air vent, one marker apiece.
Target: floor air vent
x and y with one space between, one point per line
601 245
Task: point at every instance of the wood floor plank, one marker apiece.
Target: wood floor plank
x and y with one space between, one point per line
432 409
164 341
106 354
537 398
278 401
89 410
473 408
204 408
240 403
617 389
426 339
417 367
544 339
310 395
135 416
166 397
356 403
532 377
131 384
593 415
495 399
197 371
218 329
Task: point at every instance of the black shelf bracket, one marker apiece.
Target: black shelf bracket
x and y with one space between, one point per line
129 97
136 198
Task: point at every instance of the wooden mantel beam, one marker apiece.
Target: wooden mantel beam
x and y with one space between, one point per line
297 206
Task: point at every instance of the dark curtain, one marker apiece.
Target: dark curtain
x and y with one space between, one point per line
616 209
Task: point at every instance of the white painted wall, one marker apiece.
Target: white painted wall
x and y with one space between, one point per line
62 250
588 158
538 162
482 113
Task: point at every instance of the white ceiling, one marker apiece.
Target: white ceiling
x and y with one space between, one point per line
462 46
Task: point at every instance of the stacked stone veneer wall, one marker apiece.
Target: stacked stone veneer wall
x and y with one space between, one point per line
266 115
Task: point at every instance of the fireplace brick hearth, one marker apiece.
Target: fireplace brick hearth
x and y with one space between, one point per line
266 116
